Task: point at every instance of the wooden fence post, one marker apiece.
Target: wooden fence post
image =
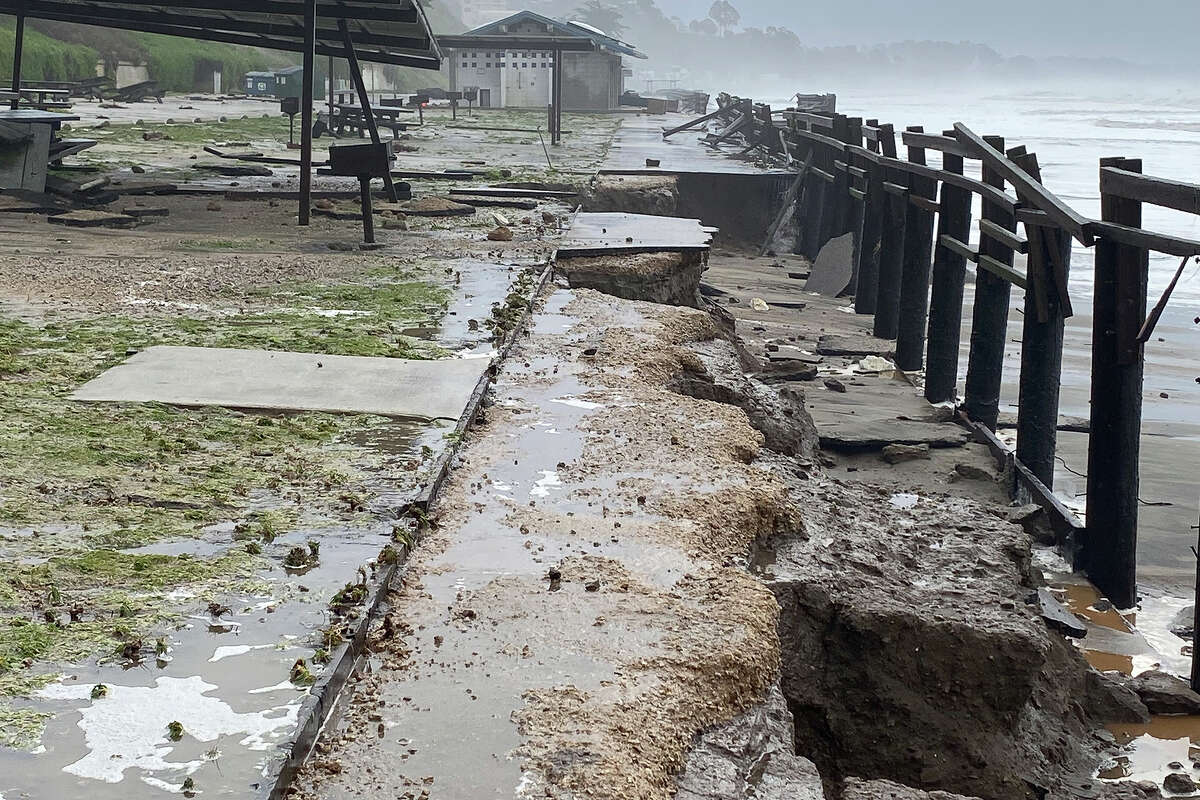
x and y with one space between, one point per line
1109 552
856 198
918 250
949 276
989 318
839 222
817 207
891 256
1046 309
867 253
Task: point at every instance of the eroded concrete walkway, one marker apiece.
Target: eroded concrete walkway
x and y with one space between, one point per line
617 565
583 607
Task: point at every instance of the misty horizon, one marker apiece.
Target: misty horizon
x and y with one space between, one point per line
1160 35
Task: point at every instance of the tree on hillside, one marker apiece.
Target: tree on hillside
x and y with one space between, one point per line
703 26
724 14
600 15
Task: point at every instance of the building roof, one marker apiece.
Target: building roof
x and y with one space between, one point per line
387 31
570 30
290 70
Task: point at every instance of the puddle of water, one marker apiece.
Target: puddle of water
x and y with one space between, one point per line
227 685
128 728
480 284
1148 751
575 402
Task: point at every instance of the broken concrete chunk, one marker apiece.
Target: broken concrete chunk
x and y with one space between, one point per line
850 345
1109 699
974 473
501 234
1183 623
868 434
834 267
1163 693
85 218
757 743
834 385
856 789
666 278
1058 617
758 304
899 453
437 207
147 211
1036 522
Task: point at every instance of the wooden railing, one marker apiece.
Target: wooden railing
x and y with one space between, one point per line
912 225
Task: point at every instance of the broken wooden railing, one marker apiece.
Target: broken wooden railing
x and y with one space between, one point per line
911 224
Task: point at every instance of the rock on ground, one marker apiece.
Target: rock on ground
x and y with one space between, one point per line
855 789
751 757
1164 693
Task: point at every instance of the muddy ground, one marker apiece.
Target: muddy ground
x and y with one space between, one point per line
587 618
146 548
643 579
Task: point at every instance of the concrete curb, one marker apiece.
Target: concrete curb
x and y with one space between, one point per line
322 700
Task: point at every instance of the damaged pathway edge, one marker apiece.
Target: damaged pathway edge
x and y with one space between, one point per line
643 580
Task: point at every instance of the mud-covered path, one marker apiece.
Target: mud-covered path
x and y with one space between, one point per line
582 608
628 594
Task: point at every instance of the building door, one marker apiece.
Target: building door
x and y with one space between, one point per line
485 98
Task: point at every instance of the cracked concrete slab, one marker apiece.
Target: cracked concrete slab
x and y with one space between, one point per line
280 381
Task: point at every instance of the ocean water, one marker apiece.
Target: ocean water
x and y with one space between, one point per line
1071 130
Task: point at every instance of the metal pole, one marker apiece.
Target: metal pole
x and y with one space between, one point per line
306 110
368 211
365 101
329 98
18 46
558 94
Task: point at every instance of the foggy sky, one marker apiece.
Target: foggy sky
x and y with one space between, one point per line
1146 31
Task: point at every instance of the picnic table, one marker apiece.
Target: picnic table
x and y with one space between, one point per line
27 141
349 116
37 98
46 97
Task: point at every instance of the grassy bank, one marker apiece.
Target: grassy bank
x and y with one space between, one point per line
85 488
44 58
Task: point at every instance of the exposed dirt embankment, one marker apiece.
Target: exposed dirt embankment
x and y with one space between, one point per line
633 194
913 650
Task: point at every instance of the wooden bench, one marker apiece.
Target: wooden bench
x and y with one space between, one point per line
351 118
62 148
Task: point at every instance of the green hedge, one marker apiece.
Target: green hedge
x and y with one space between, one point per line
172 61
43 58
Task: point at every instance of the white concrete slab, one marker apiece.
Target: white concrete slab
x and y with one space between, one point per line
834 268
278 381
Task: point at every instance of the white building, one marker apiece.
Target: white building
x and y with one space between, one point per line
523 78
